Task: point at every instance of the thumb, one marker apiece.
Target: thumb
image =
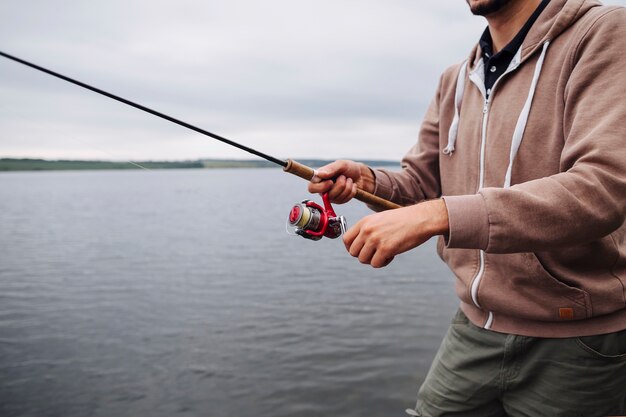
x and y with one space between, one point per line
323 173
319 175
330 171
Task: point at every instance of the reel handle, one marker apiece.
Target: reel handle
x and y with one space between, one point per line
307 173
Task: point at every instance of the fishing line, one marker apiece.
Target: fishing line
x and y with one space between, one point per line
290 166
137 165
109 154
125 161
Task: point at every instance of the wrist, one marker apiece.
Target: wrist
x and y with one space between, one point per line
435 215
368 178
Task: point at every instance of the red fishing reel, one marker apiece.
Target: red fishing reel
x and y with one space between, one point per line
312 221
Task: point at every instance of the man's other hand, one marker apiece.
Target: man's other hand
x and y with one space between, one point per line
378 238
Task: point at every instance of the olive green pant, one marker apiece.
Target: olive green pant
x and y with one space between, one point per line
486 374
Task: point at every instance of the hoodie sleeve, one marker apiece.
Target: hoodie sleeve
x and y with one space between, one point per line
587 199
419 178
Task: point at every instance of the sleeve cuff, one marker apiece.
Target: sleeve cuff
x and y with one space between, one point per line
469 222
384 186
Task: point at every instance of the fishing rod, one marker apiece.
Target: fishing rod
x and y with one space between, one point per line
303 218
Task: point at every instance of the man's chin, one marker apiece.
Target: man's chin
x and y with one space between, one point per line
486 7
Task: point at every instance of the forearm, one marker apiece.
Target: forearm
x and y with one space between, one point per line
544 214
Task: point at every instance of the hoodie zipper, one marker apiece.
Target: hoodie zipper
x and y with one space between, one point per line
479 82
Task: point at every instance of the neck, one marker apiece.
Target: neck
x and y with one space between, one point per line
506 22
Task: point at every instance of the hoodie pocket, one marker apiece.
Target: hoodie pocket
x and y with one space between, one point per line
464 263
518 285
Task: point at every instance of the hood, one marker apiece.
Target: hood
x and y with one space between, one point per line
557 17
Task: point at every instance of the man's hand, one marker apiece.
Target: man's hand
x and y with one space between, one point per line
340 180
378 238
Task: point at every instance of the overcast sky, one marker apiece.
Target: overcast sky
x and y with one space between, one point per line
292 78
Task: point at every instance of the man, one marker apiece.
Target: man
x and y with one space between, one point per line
520 168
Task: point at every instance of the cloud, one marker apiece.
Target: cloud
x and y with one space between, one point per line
292 78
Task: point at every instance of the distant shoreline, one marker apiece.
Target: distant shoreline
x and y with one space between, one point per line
27 164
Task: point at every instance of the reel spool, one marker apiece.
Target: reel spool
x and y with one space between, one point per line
312 221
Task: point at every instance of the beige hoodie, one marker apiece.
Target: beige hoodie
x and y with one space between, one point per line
534 179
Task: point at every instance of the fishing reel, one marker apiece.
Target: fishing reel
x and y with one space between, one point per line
312 221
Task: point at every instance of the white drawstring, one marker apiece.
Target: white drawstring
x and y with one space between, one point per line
458 98
520 127
518 134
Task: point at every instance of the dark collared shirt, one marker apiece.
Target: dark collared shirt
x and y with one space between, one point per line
496 65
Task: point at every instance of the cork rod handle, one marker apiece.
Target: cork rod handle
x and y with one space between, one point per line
307 173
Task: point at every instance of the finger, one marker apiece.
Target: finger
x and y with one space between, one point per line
367 253
380 261
320 187
338 188
346 194
356 247
351 234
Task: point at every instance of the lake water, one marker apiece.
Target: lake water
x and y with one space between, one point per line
179 293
